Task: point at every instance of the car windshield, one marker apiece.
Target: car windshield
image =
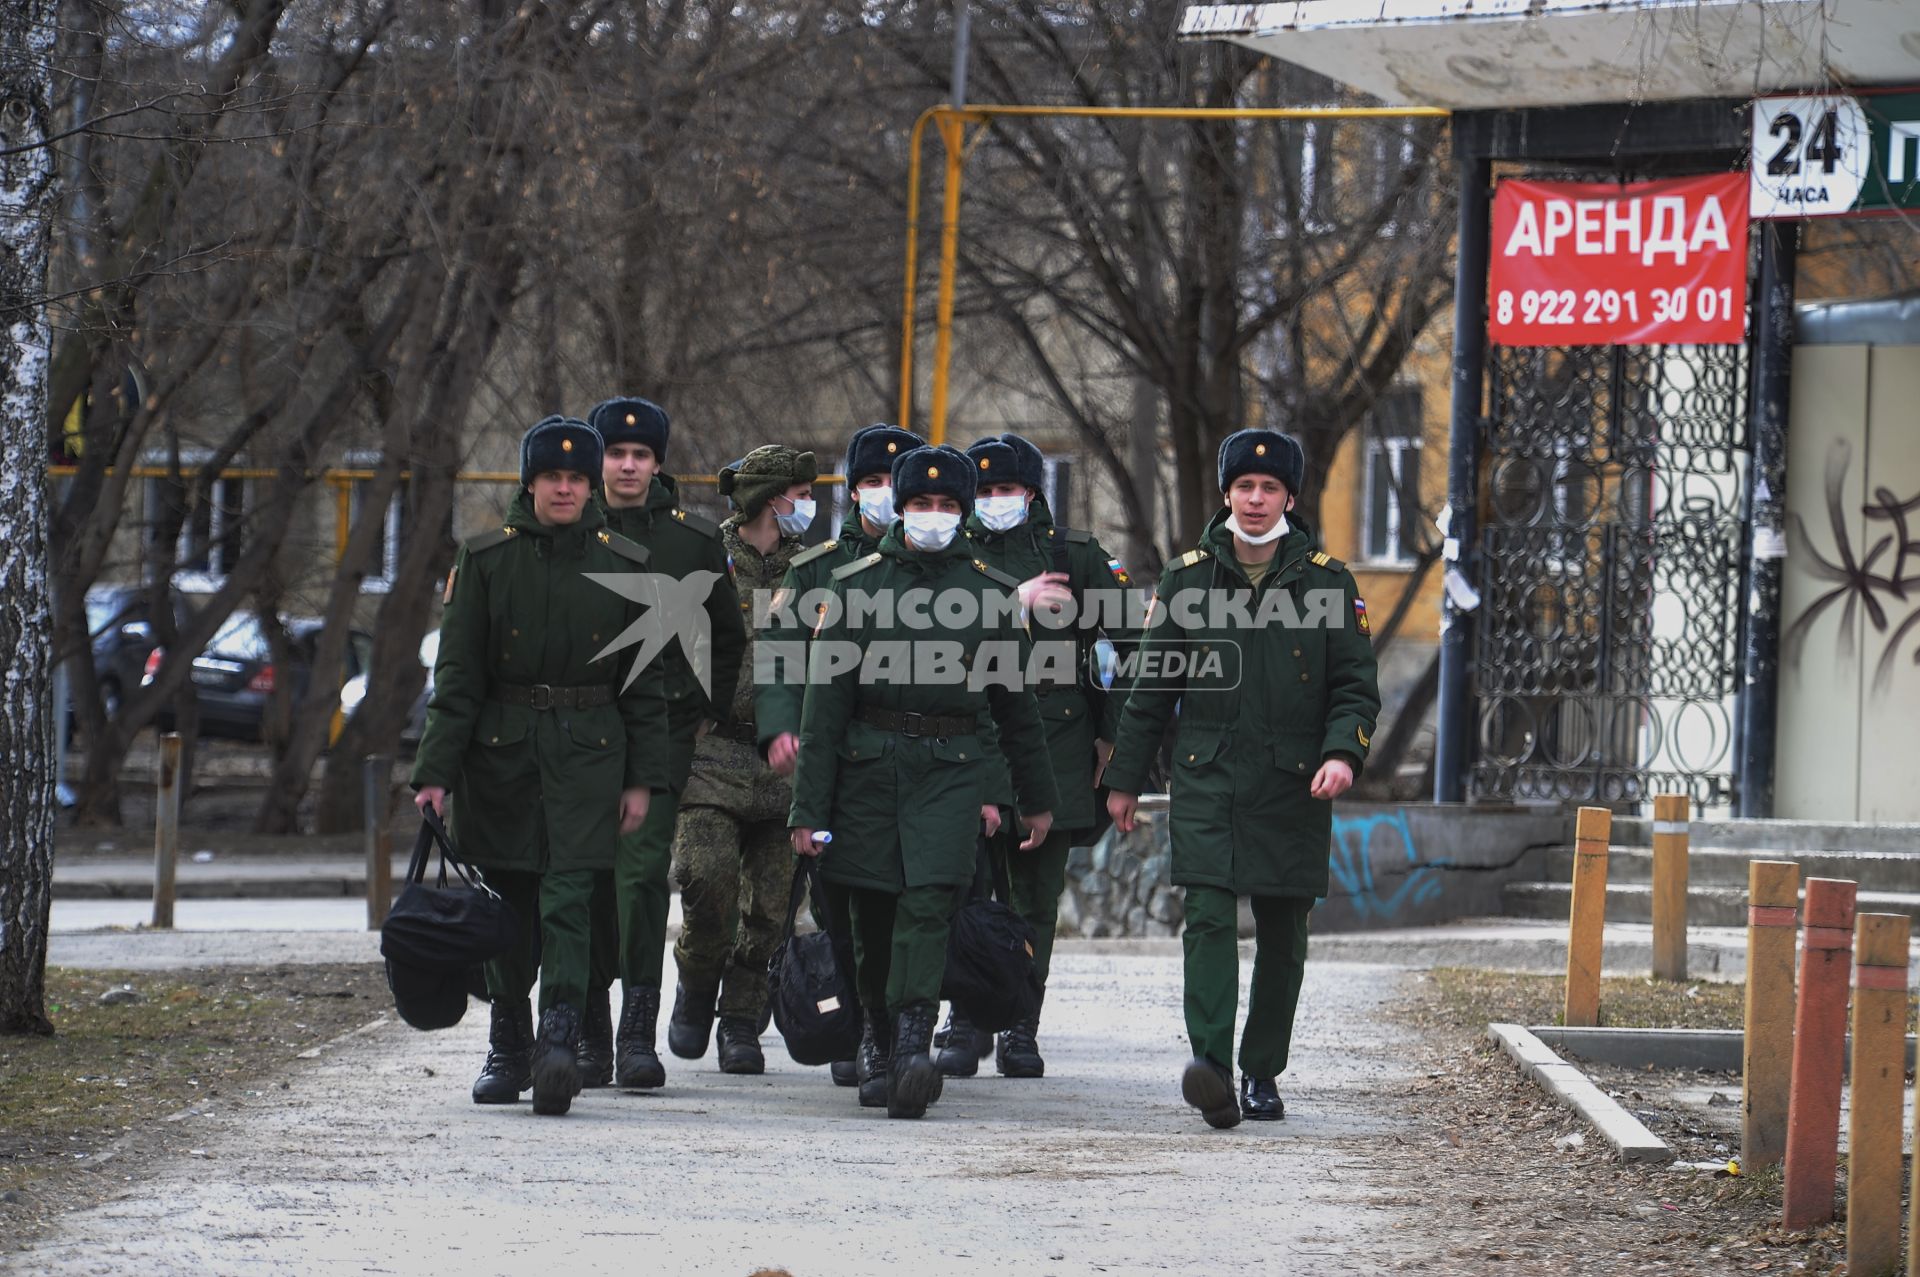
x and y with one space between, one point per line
103 610
240 636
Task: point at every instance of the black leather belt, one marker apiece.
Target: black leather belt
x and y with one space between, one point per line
908 723
745 733
544 696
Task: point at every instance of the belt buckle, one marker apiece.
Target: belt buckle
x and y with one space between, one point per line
541 696
910 723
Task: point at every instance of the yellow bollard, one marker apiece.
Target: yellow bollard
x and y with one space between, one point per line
1878 1079
1766 1055
1670 832
1593 829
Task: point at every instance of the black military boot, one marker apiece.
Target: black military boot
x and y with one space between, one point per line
691 1023
1018 1054
1260 1100
740 1046
844 1072
596 1041
876 1059
913 1081
961 1055
1209 1087
636 1066
556 1067
509 1044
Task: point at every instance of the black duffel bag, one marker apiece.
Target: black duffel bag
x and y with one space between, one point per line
814 1005
437 937
990 974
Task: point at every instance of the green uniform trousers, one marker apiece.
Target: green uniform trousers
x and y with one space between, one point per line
899 942
1213 977
630 903
555 916
734 876
1036 879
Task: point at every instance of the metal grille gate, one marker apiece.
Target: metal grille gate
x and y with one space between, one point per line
1608 643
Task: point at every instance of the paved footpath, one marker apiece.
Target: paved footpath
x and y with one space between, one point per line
375 1161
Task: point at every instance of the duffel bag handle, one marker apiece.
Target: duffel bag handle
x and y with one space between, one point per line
433 830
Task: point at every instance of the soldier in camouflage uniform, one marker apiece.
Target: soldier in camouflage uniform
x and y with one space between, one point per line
730 850
631 903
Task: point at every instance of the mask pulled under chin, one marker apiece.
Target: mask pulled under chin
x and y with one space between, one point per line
1278 530
998 514
799 519
876 505
929 530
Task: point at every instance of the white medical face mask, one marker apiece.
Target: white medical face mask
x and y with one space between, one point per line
930 529
799 520
876 505
1278 530
997 514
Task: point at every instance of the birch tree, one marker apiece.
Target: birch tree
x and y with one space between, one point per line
26 709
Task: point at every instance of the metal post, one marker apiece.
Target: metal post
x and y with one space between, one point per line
1759 707
962 30
953 133
166 829
1454 740
376 794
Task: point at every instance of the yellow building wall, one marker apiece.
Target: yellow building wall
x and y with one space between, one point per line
1342 502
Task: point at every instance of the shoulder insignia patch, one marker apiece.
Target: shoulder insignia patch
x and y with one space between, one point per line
632 551
813 552
1321 559
996 575
1360 616
446 595
846 570
706 526
1119 573
490 538
1191 557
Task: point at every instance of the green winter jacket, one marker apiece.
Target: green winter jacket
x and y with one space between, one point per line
780 684
539 789
904 809
681 544
1076 714
1259 710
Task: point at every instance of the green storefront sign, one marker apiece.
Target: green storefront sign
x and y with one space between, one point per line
1827 155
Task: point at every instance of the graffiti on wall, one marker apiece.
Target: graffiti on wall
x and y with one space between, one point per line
1881 582
1377 867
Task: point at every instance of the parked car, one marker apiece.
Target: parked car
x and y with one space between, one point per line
122 637
355 691
235 677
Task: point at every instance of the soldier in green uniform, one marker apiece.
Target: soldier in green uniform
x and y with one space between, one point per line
730 851
1012 528
868 469
547 759
631 904
893 761
1275 714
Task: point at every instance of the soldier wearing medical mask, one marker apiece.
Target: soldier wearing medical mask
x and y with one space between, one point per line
894 758
777 692
1012 529
730 852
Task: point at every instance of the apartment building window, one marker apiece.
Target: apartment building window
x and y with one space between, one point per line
212 529
1391 506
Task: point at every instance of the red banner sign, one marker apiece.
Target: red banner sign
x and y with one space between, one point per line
1596 263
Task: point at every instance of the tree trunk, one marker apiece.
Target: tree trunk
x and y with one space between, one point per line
26 602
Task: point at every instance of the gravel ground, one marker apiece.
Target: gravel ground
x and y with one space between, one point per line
1411 1146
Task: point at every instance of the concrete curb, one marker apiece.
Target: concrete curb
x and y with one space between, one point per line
1567 1084
1718 1050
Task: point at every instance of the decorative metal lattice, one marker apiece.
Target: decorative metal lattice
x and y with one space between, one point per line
1608 640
